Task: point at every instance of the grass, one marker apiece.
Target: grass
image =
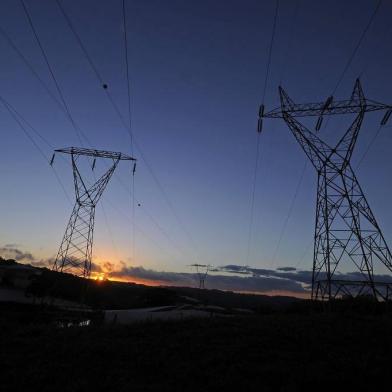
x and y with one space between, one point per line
277 352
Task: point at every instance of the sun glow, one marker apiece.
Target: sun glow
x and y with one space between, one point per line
100 277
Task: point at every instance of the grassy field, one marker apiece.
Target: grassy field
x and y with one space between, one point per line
277 352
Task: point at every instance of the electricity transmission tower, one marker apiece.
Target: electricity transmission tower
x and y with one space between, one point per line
75 253
202 271
346 229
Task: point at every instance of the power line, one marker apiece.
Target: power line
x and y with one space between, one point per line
104 85
154 221
127 71
108 228
365 30
31 68
253 192
345 69
369 146
302 258
44 55
252 199
294 197
80 42
19 119
35 74
77 129
286 221
139 229
24 124
290 40
132 136
100 78
54 98
270 50
130 122
51 147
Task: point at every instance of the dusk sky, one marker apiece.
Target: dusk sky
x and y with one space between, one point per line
197 71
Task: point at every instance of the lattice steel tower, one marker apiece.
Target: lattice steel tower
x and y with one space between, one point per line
346 229
75 253
202 271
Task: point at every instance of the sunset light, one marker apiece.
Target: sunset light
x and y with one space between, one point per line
195 195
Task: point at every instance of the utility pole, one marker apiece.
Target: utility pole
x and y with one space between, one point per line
346 229
75 253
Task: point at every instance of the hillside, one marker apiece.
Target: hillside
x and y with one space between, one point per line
279 352
39 284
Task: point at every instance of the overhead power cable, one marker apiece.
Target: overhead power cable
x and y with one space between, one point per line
369 146
51 147
293 24
80 42
44 55
290 211
339 81
21 121
51 71
130 124
25 126
295 194
31 68
129 130
124 14
270 50
354 52
252 199
256 167
111 100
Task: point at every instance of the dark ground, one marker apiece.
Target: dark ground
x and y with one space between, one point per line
295 350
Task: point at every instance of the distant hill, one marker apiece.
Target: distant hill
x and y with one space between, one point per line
42 283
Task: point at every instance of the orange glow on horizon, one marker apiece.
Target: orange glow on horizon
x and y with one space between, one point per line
147 282
105 276
152 283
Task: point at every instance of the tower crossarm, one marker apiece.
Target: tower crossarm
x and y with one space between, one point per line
318 109
96 153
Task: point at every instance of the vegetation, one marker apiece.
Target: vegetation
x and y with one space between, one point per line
286 351
284 345
120 295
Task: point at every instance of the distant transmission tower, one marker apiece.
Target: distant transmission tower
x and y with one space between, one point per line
202 271
346 229
75 253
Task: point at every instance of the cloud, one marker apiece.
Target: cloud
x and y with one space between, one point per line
108 266
290 273
96 267
287 269
228 277
12 246
12 251
257 284
9 251
152 275
44 263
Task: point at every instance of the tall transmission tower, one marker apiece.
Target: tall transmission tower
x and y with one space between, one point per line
75 253
346 229
202 271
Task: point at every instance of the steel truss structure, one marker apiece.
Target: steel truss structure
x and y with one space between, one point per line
346 229
75 253
202 271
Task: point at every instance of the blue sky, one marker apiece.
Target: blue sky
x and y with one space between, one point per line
197 72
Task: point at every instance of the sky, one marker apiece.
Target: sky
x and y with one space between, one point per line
197 72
